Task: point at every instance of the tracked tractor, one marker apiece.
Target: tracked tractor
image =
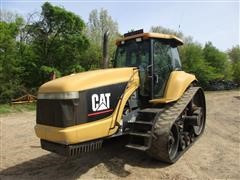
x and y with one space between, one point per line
145 96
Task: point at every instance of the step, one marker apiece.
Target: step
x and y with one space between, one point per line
141 122
140 134
151 110
137 147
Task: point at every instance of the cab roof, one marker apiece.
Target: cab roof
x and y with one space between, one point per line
172 38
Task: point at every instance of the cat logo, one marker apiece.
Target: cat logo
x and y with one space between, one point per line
100 102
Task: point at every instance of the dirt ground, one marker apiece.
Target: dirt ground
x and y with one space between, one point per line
216 155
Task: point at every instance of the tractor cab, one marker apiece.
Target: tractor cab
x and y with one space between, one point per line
155 55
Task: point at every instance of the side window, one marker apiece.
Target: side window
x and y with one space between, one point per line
176 59
131 59
162 56
143 58
121 57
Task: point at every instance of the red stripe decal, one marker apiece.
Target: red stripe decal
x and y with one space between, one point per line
101 112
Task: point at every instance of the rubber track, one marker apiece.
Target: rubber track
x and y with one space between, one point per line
162 126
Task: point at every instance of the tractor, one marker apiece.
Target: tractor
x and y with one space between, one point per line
146 97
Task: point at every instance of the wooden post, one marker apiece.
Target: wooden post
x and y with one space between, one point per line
52 75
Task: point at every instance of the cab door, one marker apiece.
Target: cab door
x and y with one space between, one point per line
162 67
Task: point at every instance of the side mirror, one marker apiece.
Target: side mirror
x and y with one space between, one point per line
149 68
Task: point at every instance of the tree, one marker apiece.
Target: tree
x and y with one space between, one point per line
9 59
8 16
57 41
234 55
218 60
98 24
193 62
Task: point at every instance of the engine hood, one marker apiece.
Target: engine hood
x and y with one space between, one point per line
87 80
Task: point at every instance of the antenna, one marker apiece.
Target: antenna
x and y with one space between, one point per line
180 21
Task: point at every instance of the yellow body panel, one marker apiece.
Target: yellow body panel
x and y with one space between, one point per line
87 80
178 82
152 35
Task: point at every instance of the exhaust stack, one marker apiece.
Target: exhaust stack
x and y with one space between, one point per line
105 49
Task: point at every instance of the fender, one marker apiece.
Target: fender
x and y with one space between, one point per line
177 84
133 84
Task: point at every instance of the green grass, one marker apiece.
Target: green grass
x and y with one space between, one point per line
7 108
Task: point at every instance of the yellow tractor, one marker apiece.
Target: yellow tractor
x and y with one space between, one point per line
146 96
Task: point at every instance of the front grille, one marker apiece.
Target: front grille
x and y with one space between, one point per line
58 113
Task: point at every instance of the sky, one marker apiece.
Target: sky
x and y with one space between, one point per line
217 21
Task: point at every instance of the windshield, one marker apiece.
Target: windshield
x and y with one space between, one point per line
133 54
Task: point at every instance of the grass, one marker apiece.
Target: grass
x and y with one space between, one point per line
7 108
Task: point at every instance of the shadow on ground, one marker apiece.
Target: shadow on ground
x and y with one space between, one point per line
113 157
